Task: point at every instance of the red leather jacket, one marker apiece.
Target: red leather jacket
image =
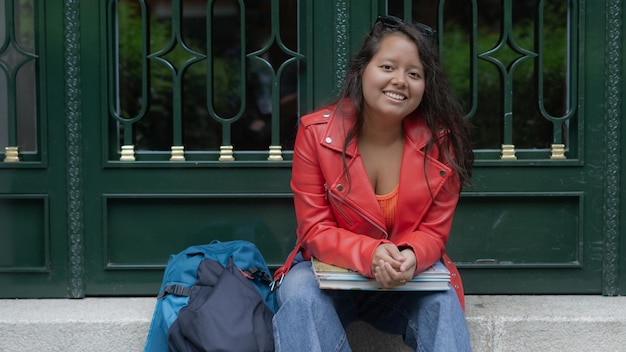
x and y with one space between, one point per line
339 218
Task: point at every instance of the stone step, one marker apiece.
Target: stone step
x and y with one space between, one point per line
496 323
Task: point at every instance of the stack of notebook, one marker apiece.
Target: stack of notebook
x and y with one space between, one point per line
435 278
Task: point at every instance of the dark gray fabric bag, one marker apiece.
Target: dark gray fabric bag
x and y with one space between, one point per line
225 313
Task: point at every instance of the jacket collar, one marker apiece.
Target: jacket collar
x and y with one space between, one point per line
342 117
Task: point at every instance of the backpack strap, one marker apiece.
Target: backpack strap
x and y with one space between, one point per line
254 271
280 272
177 290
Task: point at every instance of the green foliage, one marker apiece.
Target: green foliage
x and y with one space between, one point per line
25 32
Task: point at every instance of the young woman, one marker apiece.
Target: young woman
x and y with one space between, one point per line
376 179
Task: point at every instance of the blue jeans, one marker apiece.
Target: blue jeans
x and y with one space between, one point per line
310 319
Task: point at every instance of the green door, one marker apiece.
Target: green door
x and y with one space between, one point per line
131 129
33 166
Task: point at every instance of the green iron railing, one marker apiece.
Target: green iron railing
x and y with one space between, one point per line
508 76
127 149
520 45
571 75
275 148
506 71
227 78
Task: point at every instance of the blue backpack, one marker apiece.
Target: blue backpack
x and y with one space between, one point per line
215 297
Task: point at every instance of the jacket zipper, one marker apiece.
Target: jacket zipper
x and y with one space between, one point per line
336 198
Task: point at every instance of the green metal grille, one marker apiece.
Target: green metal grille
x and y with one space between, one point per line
202 81
515 66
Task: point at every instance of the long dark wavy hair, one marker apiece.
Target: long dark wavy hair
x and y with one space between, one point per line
439 106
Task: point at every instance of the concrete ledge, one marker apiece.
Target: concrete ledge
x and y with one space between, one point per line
497 324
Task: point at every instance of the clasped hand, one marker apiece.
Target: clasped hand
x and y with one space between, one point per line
393 267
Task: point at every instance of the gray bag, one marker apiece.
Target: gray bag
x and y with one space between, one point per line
225 313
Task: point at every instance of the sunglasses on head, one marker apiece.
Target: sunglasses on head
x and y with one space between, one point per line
395 22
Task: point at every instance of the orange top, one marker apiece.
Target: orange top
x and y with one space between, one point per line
387 203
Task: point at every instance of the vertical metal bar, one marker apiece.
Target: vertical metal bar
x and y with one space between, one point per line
507 72
558 149
10 76
572 71
158 58
508 149
226 122
275 148
177 84
10 92
127 149
407 9
307 19
473 58
508 78
177 74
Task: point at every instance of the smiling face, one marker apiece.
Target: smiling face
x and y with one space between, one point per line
393 81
